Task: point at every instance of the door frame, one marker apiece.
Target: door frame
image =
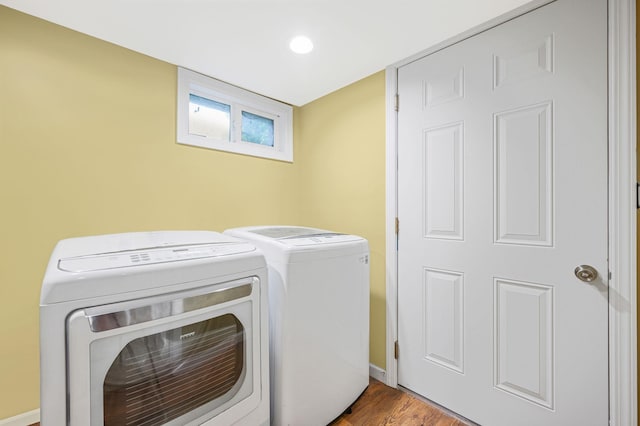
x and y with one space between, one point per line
622 210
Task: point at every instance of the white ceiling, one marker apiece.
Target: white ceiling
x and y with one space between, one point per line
245 42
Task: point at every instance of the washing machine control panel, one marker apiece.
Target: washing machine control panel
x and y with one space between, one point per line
150 256
319 239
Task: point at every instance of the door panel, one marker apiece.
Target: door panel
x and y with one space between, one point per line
442 165
443 308
524 337
502 192
523 175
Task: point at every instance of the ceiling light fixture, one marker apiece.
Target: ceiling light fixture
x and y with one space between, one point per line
301 45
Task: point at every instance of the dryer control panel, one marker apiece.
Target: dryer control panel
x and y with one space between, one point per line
128 258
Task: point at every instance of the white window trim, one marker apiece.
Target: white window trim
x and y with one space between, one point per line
239 100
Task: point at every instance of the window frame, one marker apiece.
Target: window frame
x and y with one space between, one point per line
239 100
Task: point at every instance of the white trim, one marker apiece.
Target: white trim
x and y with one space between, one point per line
377 373
622 214
24 419
622 210
239 101
390 224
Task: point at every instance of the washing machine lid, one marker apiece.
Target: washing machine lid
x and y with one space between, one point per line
97 253
300 236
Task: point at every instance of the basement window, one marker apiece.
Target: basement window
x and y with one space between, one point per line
217 115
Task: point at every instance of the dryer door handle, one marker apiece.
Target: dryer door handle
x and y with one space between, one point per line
99 320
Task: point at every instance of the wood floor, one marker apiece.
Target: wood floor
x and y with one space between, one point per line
381 405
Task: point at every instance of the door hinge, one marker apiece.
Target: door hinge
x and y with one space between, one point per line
396 349
397 226
637 194
397 102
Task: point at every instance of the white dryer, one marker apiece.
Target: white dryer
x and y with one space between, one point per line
154 328
319 320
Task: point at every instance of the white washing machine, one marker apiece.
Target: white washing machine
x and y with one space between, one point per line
154 328
319 320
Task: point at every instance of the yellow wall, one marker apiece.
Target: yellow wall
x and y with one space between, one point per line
341 146
87 146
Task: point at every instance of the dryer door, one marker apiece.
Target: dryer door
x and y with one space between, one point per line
160 361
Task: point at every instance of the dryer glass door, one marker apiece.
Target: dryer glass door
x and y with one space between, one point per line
175 359
157 378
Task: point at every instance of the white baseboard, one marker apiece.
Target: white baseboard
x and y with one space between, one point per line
24 419
377 373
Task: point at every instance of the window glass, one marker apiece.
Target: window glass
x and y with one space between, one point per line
209 118
216 115
257 129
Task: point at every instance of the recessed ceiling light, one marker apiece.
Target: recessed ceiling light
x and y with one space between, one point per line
301 45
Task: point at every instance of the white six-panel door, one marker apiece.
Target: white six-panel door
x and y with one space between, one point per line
502 193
